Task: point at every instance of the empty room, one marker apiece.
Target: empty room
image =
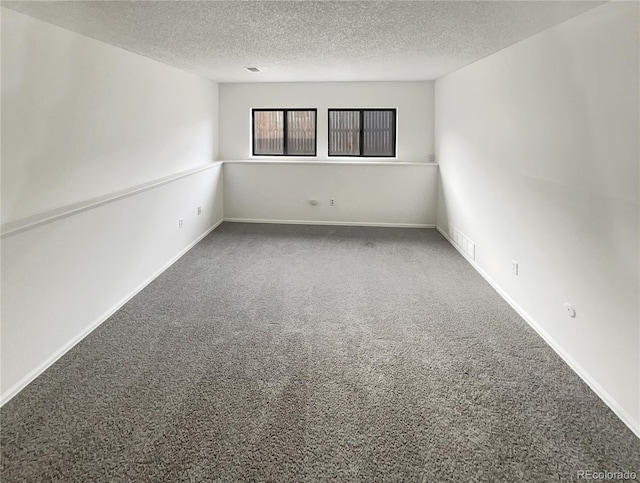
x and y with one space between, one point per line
290 241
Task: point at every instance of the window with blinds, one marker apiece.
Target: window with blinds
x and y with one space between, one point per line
284 132
362 132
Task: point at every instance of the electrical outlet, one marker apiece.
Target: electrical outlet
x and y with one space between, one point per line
199 210
333 202
514 267
571 312
180 223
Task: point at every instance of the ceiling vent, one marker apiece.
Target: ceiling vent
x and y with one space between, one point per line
253 69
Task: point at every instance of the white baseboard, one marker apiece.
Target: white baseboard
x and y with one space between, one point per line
329 223
26 380
626 418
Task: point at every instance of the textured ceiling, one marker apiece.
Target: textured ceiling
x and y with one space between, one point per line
308 40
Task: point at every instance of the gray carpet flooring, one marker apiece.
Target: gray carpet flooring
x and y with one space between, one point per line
306 353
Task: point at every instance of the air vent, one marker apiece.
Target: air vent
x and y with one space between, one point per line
467 246
253 69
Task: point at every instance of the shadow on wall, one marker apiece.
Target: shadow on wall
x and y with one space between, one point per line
539 159
535 162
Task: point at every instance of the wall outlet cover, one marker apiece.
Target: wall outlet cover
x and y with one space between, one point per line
571 312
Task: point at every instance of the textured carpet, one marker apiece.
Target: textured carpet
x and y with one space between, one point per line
301 353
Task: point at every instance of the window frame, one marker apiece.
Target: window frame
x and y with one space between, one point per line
362 110
284 145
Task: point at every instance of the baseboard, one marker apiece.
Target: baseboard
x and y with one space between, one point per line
619 411
329 223
26 380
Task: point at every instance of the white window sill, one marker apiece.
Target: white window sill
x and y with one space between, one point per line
336 160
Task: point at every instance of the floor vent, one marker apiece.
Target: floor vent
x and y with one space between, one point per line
466 245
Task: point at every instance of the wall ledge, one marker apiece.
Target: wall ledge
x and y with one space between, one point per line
329 162
27 223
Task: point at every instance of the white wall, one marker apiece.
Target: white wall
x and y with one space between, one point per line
81 120
413 101
364 194
538 151
61 279
388 193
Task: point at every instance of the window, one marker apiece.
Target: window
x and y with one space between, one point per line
284 132
362 132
